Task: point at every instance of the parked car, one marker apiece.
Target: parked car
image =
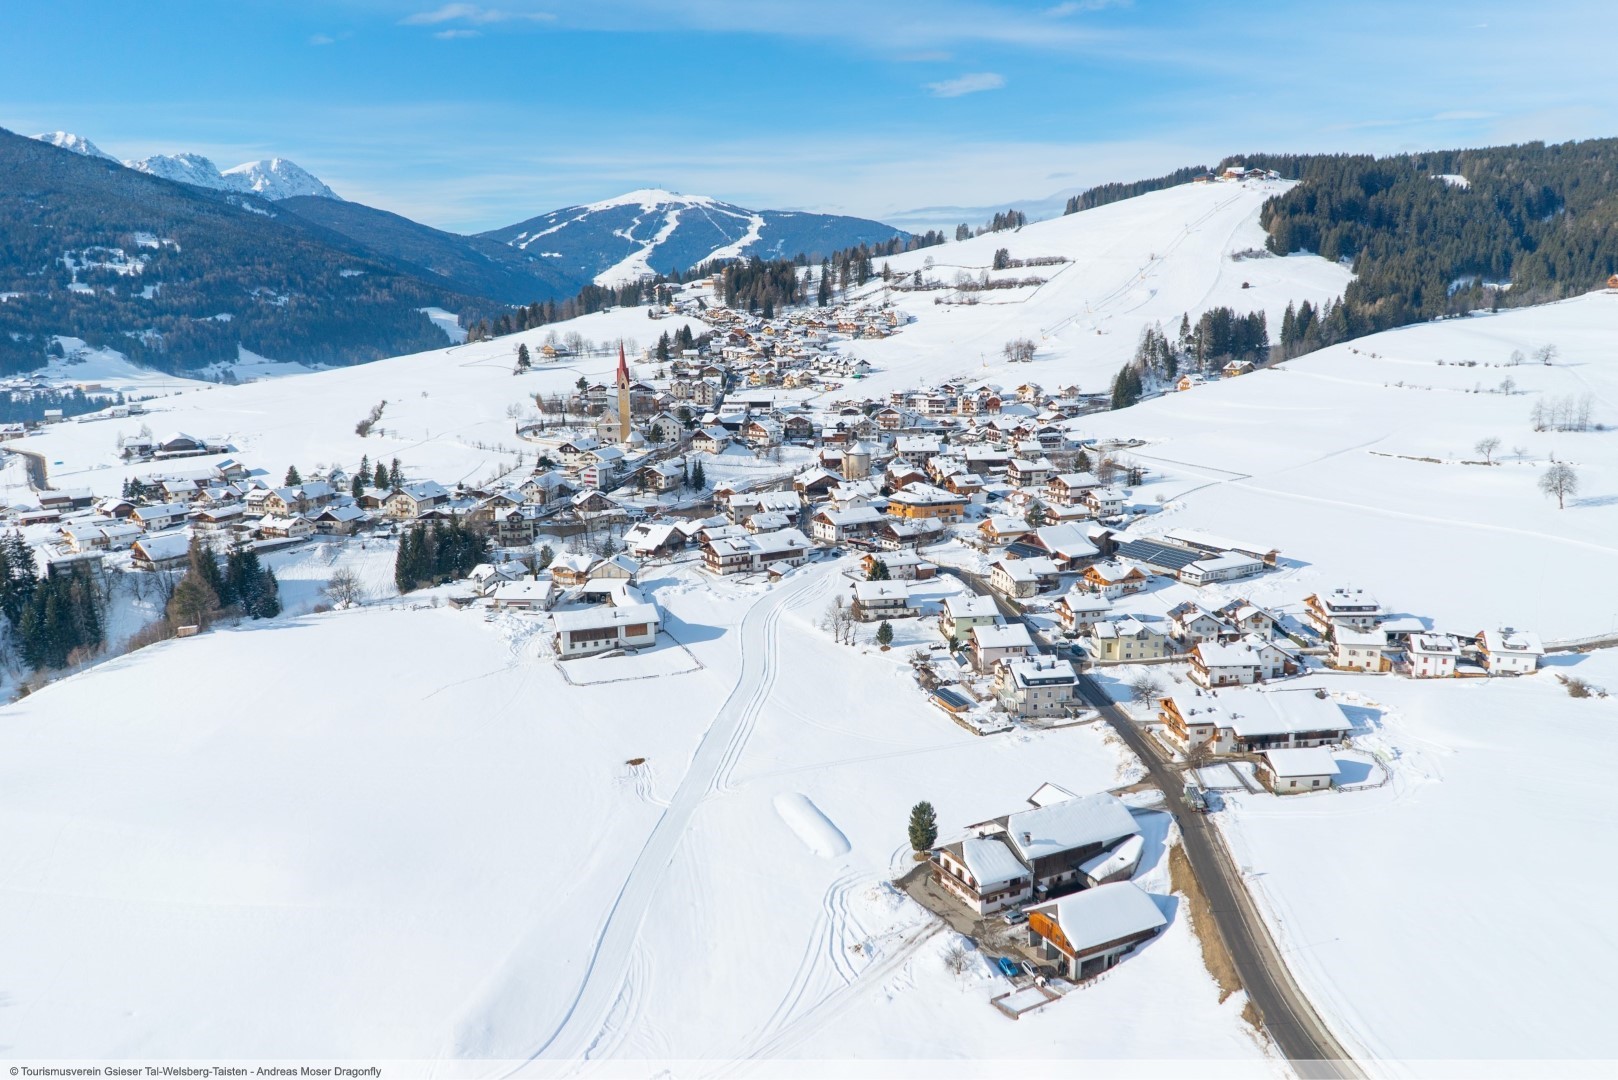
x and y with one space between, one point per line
1008 967
1014 916
1029 969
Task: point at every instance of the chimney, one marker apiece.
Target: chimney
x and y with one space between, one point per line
1027 838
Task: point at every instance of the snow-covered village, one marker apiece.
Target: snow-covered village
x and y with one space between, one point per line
1121 638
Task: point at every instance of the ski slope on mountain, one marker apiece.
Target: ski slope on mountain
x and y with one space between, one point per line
1146 260
1359 463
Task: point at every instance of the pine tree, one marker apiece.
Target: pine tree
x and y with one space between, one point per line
699 478
879 571
293 479
363 476
884 637
523 360
396 476
923 826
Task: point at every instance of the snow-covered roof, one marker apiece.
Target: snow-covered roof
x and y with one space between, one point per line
1261 712
601 616
990 861
1068 540
1014 636
1123 858
1048 793
1104 914
1512 641
1063 826
1302 761
868 591
970 605
1214 654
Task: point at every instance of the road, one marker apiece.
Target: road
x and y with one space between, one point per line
1286 1012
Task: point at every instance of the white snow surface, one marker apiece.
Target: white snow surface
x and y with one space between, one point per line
455 860
1468 887
78 144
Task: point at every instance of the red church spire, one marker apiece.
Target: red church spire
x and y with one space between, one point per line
623 366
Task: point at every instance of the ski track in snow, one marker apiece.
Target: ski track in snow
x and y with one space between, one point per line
587 1026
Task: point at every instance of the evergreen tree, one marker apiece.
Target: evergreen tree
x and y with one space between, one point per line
923 826
523 360
293 479
884 634
396 477
878 572
201 562
699 478
364 473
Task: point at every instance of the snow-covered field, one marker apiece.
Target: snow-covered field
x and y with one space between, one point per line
1459 911
1358 463
1133 264
415 839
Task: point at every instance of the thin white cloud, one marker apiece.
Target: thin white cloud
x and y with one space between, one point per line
322 39
456 35
474 14
974 83
1079 7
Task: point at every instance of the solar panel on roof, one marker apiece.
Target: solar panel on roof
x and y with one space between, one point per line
1166 556
952 698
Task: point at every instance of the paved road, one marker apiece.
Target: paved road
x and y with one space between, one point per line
1288 1016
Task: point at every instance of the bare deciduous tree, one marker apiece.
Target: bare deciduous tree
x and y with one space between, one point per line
344 588
1145 689
1487 447
1560 481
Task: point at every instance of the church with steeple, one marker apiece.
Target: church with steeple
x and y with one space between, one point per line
625 429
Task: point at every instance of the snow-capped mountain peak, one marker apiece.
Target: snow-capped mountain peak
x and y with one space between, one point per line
275 178
183 168
66 140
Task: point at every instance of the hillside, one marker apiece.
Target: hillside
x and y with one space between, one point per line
177 277
1130 264
655 231
1359 462
473 265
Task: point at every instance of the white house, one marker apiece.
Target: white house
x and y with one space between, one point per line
1510 652
1359 650
1251 720
1291 772
992 644
982 873
1432 656
603 627
1090 931
1226 567
1214 664
964 611
1036 686
1343 606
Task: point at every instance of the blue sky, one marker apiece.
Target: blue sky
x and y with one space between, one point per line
471 116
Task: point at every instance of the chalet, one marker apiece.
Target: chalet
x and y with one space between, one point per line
1236 367
1113 579
1248 721
577 452
1432 656
1105 502
1078 610
900 566
762 432
1342 606
1510 652
544 488
105 537
665 428
604 627
1292 772
1067 545
523 594
414 499
710 440
900 473
163 551
992 644
1054 840
1069 489
161 516
835 526
338 520
1036 686
926 501
652 540
1214 664
894 535
965 611
1192 625
590 504
1003 528
660 476
1090 931
765 551
1023 473
570 568
1359 650
875 600
814 485
1250 619
983 873
1023 578
798 428
1127 640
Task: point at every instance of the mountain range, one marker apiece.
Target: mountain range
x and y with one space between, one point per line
177 263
